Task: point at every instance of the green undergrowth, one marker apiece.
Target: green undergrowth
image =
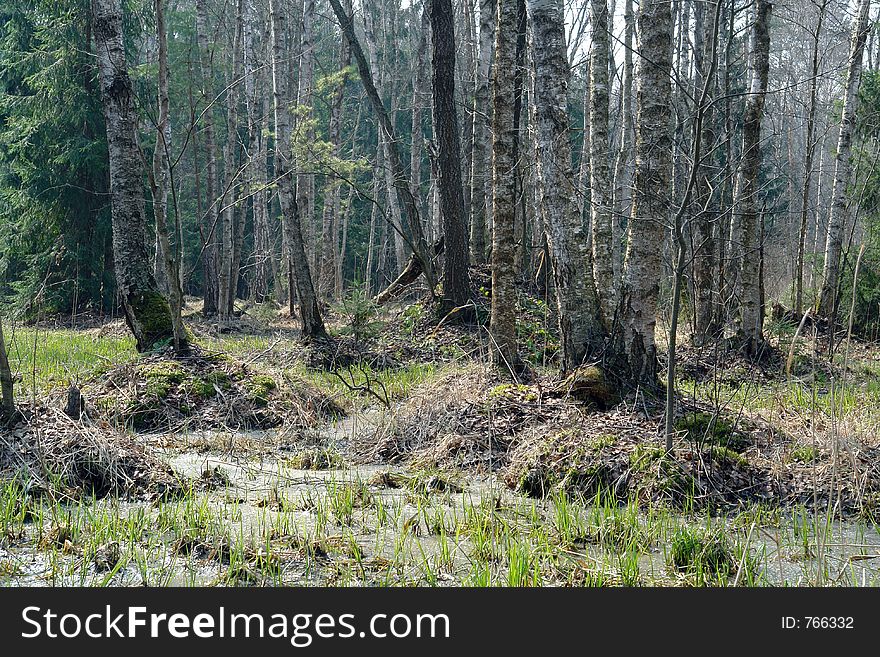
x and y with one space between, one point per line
47 358
356 382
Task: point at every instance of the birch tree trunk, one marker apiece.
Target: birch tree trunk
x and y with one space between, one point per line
623 164
208 221
310 315
456 281
828 301
385 81
159 183
169 263
466 71
259 98
704 283
578 307
147 312
305 182
810 147
505 136
749 329
375 210
481 163
601 188
230 185
420 91
331 215
651 195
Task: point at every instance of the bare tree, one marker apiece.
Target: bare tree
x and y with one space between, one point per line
207 225
579 321
810 146
504 145
651 195
481 162
828 299
310 315
147 312
747 216
456 282
159 181
422 262
230 200
305 181
601 188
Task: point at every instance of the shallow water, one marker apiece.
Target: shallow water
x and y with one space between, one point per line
406 535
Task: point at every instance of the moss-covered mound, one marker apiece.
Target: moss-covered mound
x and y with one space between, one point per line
622 454
467 419
161 393
541 438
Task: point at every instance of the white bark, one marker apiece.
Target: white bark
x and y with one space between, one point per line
828 301
651 208
146 310
749 329
577 304
601 188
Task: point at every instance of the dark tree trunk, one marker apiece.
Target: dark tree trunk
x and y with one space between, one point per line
301 278
456 282
400 180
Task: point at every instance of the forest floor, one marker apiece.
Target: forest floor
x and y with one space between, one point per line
394 455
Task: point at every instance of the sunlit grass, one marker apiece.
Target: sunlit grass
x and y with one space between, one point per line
45 358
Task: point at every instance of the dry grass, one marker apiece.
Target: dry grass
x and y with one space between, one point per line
53 453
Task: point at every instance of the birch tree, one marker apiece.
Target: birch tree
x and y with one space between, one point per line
147 311
422 261
601 188
167 256
579 320
310 315
749 329
504 145
651 194
704 264
208 222
305 182
481 162
810 147
230 201
828 299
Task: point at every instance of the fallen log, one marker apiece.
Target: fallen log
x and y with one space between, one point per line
407 277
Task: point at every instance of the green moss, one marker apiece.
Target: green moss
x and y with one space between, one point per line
208 385
603 440
644 456
161 377
506 389
722 454
151 314
259 388
708 429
